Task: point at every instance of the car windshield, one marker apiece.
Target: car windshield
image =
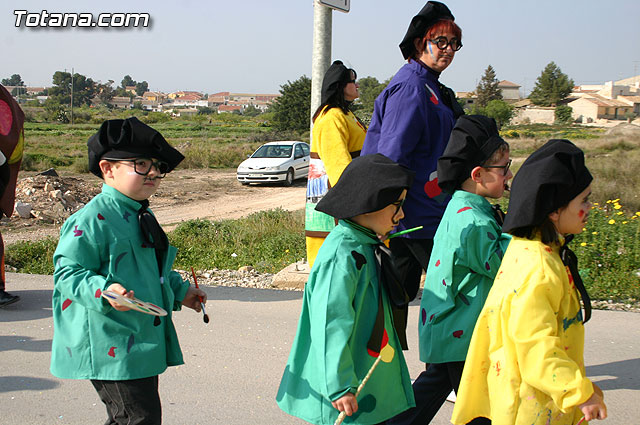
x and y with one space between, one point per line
273 151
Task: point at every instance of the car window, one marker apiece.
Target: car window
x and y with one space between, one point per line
299 152
305 149
272 151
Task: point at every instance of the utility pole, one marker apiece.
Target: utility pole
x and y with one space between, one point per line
71 96
321 60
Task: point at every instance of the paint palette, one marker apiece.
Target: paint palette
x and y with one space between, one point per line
134 304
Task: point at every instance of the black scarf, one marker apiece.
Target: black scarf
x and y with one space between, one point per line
152 234
387 277
570 260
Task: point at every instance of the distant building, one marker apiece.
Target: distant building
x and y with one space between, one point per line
229 108
467 99
121 102
190 94
596 107
510 91
598 103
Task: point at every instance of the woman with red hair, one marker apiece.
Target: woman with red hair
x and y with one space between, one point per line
411 124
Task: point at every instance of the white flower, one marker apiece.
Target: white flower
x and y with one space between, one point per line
234 255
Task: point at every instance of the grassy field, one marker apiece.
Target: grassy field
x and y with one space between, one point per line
206 141
608 249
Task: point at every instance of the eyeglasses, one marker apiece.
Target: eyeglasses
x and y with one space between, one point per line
505 168
398 205
351 81
142 166
442 43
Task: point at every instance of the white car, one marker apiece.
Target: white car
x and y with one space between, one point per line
283 162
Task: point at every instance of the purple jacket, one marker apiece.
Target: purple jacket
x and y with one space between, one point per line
411 125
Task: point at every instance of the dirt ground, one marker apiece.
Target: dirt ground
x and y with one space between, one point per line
183 195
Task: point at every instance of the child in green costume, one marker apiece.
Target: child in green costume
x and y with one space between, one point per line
347 320
115 243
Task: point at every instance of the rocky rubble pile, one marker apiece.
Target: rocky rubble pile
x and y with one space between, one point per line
246 277
51 198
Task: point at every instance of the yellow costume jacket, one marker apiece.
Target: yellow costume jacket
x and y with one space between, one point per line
525 363
337 139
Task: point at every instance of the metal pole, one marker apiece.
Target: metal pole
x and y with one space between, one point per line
321 59
71 96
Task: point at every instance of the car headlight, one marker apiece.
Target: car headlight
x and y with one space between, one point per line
272 168
243 168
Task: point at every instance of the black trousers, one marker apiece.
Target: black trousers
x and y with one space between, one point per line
430 390
410 257
131 402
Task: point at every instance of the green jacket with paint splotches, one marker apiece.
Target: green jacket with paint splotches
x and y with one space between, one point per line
99 245
329 356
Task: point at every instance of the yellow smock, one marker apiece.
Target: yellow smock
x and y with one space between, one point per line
525 363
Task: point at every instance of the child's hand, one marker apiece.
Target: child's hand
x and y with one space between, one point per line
594 408
347 404
192 299
119 289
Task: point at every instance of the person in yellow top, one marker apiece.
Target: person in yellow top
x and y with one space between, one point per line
525 363
338 136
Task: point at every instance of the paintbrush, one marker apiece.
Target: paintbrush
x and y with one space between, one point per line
205 316
413 229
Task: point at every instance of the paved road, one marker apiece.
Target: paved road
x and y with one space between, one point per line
233 364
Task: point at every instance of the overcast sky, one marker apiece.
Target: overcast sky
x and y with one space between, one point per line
257 45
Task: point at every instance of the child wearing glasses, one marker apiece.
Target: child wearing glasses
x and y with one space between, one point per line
526 358
115 243
346 321
467 251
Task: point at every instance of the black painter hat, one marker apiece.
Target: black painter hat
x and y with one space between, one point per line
129 138
549 179
336 74
368 184
473 140
431 13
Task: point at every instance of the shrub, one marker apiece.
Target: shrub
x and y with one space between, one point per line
32 257
563 114
267 240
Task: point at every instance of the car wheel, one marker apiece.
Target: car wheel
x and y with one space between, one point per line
288 180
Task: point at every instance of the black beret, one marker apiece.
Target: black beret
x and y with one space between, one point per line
431 13
368 184
336 74
473 140
129 138
549 179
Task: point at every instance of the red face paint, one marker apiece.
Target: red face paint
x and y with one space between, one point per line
581 213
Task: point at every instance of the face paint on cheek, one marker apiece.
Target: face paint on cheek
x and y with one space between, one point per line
581 213
431 52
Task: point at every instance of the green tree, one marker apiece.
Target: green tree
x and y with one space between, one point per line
205 110
370 88
84 89
251 111
291 110
487 89
105 93
55 111
563 114
127 81
142 87
14 80
500 111
551 86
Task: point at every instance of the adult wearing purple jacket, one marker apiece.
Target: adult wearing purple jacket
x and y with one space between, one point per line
411 124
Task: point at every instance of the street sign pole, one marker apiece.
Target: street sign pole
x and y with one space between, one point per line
321 58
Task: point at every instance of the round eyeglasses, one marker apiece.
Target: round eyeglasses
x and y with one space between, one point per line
142 166
505 168
442 43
